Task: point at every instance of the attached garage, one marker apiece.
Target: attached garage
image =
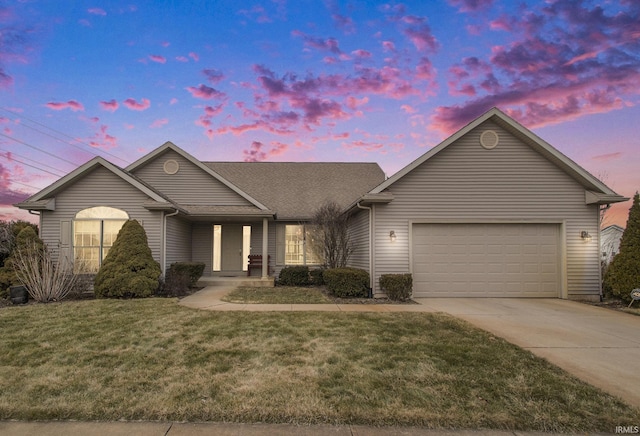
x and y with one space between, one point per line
486 260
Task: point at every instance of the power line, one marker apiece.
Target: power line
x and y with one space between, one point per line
24 184
61 133
24 157
39 149
33 166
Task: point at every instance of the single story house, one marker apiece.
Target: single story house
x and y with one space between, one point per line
492 211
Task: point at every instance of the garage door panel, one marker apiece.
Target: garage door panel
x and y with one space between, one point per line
486 260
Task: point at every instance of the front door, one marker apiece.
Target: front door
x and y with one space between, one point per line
231 247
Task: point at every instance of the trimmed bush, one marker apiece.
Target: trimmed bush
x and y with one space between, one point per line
316 277
398 287
347 282
294 276
129 270
192 270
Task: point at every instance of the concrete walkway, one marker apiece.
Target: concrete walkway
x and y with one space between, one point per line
56 428
598 345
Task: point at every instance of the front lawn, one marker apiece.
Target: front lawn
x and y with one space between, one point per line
277 295
154 360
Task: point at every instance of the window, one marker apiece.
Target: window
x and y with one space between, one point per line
298 246
94 232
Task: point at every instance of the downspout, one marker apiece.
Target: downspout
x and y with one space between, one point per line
39 215
371 271
163 255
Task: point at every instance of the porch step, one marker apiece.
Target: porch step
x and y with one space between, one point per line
257 282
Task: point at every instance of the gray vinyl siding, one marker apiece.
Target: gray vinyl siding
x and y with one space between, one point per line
202 245
178 240
359 237
99 187
510 183
190 185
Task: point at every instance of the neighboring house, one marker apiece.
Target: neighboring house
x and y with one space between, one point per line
492 211
610 242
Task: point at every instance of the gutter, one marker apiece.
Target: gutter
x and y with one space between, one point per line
371 270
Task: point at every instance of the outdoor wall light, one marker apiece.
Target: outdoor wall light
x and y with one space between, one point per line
585 236
392 236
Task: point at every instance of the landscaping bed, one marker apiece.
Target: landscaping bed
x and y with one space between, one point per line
151 359
297 295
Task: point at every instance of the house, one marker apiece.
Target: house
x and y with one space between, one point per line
610 242
492 211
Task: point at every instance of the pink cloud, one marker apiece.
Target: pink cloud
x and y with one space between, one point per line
101 139
361 53
158 59
173 101
388 46
329 44
564 60
133 105
408 109
182 59
471 5
194 56
110 105
608 157
213 76
422 38
84 22
97 11
259 152
159 123
71 104
205 92
354 103
165 43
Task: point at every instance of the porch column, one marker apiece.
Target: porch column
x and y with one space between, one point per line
265 248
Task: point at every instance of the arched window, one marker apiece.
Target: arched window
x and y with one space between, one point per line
94 231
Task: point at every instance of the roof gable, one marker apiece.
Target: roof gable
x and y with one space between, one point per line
170 147
602 194
36 200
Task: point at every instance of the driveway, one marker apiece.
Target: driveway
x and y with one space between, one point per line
598 345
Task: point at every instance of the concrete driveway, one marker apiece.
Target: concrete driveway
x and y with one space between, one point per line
598 345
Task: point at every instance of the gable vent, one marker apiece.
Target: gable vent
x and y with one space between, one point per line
489 139
171 166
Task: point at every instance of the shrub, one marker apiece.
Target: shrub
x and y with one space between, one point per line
623 274
129 270
294 276
44 279
316 277
347 282
398 287
192 270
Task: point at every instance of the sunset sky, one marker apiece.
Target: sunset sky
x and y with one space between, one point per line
303 80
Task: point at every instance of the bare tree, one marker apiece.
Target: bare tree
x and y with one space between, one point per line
330 234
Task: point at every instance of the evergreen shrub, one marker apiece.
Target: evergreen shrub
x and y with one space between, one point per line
129 270
294 276
347 282
398 287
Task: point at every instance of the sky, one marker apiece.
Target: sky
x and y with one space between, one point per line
303 80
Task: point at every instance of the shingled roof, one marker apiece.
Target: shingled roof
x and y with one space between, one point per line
294 190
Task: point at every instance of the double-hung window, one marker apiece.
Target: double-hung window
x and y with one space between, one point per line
94 231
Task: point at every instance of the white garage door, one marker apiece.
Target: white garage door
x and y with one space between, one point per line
486 260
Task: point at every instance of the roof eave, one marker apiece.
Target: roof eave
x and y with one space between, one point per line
47 204
591 197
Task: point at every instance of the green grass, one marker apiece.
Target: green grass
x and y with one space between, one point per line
154 360
277 295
